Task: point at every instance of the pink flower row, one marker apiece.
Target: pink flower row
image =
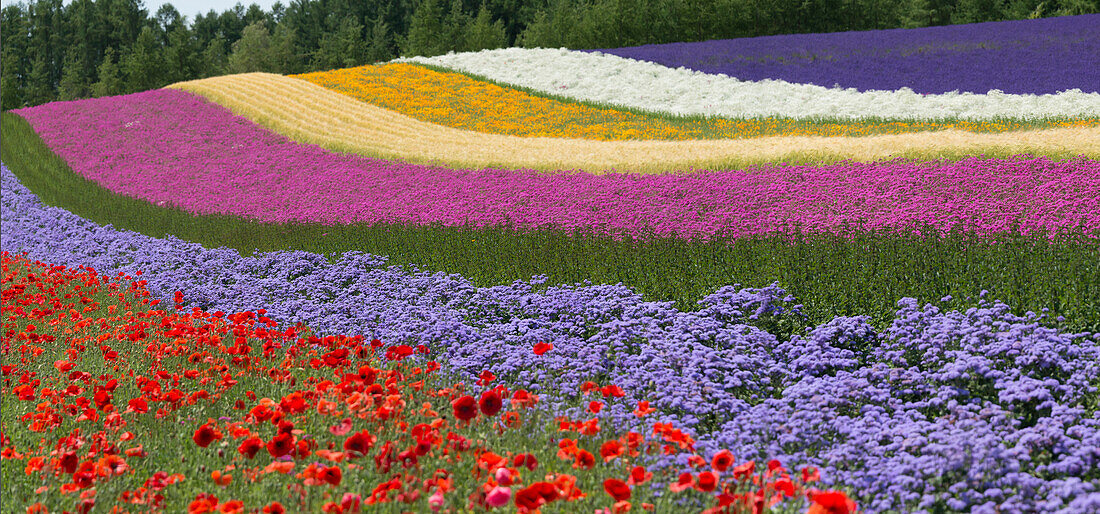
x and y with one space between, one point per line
173 148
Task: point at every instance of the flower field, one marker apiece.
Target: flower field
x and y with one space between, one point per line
565 281
456 100
1060 54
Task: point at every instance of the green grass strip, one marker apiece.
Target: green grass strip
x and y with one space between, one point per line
830 274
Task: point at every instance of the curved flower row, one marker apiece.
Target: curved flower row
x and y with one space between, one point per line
619 81
1037 56
460 101
173 148
942 410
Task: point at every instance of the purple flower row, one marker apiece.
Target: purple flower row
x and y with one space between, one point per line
978 410
1019 57
173 148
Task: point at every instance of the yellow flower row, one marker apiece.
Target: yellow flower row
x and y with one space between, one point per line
459 101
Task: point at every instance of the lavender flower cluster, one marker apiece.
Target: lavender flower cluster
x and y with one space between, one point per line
978 410
1017 57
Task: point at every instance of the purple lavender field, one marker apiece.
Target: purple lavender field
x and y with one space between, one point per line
1018 57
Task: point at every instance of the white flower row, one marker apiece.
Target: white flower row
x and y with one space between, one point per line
630 83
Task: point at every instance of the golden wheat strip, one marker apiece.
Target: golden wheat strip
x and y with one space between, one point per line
309 113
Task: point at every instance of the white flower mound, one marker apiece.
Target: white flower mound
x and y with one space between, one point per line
615 80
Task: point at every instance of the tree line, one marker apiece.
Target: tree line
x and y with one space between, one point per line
51 51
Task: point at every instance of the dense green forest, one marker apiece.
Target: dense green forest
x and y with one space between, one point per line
57 51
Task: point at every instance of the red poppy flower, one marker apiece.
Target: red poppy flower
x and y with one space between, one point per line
102 398
396 353
485 377
112 465
525 459
722 461
304 448
490 402
541 348
609 391
707 482
280 445
222 479
206 435
611 449
595 407
522 398
24 392
686 481
617 489
274 508
68 462
639 475
584 459
293 403
536 495
745 470
785 486
332 474
465 408
249 447
202 504
830 502
138 405
341 428
774 466
359 443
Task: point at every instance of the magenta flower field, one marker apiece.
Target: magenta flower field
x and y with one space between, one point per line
173 148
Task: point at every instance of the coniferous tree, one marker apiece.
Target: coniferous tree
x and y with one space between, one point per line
284 50
40 88
424 30
168 19
143 67
550 29
454 28
181 55
14 59
342 49
11 94
214 58
73 84
381 42
916 13
483 33
537 34
252 52
110 81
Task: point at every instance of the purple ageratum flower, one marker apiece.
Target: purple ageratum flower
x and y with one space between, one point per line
1059 54
978 410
